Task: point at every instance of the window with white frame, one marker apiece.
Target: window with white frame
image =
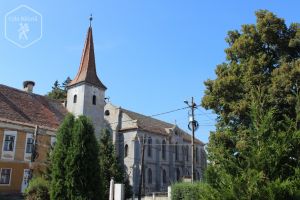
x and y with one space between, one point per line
9 144
5 176
28 146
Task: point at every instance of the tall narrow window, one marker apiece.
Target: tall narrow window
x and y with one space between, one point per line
187 153
176 151
177 174
197 155
163 150
5 176
164 176
29 145
149 146
9 143
149 176
75 98
94 99
126 150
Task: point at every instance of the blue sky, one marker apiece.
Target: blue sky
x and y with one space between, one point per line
151 54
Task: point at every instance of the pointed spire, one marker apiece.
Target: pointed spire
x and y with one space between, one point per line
87 70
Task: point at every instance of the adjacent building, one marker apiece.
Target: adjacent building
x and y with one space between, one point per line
28 123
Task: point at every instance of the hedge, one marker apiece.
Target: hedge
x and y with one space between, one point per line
193 191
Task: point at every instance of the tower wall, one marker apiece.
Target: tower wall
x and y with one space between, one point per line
84 104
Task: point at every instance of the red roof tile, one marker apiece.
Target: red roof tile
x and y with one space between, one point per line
87 70
20 106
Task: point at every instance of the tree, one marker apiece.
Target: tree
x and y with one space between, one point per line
59 92
37 189
82 170
66 83
110 167
254 152
58 159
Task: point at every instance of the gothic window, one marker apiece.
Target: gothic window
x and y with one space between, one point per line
176 151
9 143
126 150
75 99
163 150
164 176
197 154
177 174
94 99
149 146
149 176
5 176
187 172
187 153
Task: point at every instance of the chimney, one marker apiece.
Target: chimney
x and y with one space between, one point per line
28 86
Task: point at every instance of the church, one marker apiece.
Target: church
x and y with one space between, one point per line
29 122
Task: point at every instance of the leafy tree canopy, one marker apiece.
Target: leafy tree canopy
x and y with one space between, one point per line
255 151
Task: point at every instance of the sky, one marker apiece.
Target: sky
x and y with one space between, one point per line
151 54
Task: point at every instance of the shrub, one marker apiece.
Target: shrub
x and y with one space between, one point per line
38 189
194 191
185 191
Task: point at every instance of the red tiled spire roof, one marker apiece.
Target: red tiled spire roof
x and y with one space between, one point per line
87 70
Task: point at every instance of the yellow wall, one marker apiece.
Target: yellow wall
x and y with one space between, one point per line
18 164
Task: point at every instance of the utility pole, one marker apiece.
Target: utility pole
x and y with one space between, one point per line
142 170
193 140
193 125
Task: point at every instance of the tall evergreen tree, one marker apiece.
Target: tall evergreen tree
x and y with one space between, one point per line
255 151
58 159
83 171
110 167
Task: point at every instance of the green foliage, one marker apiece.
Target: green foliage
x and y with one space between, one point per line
82 164
58 159
185 191
59 92
110 167
254 153
196 191
75 170
38 189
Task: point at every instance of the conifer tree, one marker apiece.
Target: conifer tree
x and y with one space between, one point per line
83 170
58 159
110 167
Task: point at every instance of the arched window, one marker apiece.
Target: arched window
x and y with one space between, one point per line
94 99
149 146
176 151
187 173
149 176
164 176
177 174
75 98
163 150
126 150
187 153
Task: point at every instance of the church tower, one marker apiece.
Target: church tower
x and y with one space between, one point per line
86 92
